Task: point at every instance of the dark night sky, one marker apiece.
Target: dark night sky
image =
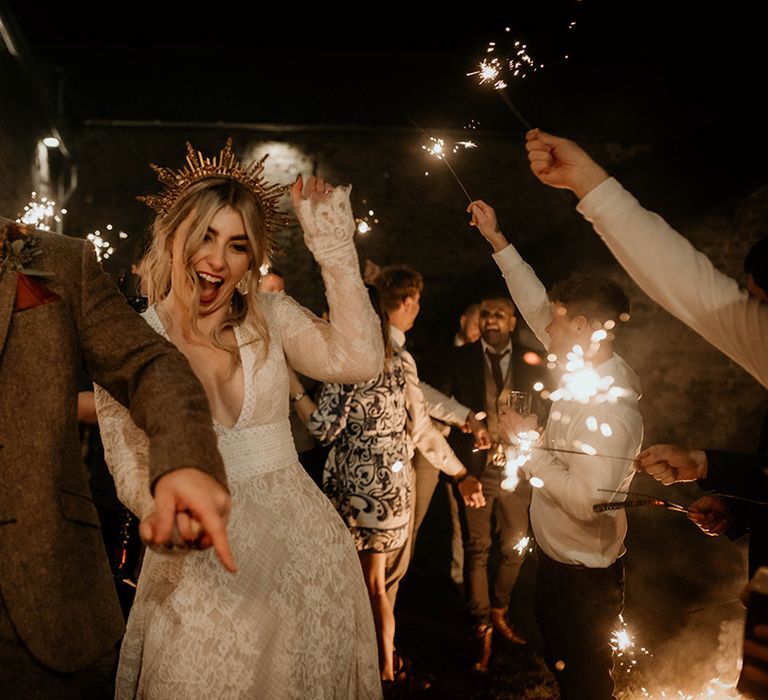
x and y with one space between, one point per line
634 71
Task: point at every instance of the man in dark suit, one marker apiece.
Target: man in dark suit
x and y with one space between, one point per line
59 615
480 375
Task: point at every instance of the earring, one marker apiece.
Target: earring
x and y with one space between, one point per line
243 284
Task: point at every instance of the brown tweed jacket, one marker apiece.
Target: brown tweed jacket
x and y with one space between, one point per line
54 576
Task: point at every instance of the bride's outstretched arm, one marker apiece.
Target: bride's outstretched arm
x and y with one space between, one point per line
348 348
126 451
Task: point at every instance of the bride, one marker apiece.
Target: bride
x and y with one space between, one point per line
294 621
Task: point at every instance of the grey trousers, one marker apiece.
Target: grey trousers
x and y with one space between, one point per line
426 479
508 510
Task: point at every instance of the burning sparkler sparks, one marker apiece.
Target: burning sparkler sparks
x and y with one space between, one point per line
40 213
630 660
436 147
522 546
517 65
582 383
102 245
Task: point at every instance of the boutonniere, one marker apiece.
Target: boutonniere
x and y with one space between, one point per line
19 247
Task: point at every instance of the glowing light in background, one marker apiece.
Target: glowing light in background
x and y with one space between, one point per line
366 222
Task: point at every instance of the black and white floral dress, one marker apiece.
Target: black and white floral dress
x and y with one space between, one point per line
367 474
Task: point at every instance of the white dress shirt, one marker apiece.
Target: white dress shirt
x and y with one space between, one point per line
678 277
426 438
564 524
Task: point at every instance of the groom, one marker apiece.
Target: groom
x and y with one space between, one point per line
59 614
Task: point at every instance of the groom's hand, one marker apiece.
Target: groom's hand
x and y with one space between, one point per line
198 505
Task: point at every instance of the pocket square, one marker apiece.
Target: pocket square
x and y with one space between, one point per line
30 293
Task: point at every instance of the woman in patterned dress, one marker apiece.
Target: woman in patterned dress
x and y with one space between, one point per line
367 474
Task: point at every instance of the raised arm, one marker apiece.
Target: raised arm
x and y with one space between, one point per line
661 261
679 278
348 348
525 288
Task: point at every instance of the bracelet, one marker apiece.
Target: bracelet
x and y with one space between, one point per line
297 396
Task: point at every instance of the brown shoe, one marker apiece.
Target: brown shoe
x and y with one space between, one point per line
502 627
483 639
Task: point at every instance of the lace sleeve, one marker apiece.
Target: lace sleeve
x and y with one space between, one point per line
330 416
126 451
347 348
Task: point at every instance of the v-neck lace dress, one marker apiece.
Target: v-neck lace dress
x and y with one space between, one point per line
295 620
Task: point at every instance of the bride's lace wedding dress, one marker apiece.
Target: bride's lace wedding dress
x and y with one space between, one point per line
295 620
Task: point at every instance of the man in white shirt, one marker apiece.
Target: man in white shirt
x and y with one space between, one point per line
399 289
585 456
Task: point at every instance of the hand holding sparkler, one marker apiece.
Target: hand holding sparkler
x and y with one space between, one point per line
671 464
562 164
484 218
479 431
711 514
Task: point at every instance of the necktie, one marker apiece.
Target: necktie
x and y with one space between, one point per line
495 359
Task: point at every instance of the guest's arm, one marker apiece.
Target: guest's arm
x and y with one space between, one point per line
525 288
661 261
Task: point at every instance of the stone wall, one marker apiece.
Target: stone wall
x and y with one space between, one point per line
692 394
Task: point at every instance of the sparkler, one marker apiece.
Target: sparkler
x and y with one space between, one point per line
516 66
436 147
101 243
632 503
585 450
522 546
639 499
41 213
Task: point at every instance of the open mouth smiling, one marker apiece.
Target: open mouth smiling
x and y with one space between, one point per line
210 285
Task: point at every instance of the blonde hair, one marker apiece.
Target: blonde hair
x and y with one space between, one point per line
205 198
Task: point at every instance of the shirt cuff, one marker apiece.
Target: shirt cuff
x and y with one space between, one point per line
590 205
508 258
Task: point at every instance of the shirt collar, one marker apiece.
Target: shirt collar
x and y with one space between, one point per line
489 348
397 336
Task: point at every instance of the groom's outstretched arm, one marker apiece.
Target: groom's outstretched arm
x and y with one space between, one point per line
150 376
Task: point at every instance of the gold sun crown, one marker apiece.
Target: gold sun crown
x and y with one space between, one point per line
225 165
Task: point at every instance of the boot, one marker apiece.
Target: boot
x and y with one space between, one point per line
483 639
503 628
